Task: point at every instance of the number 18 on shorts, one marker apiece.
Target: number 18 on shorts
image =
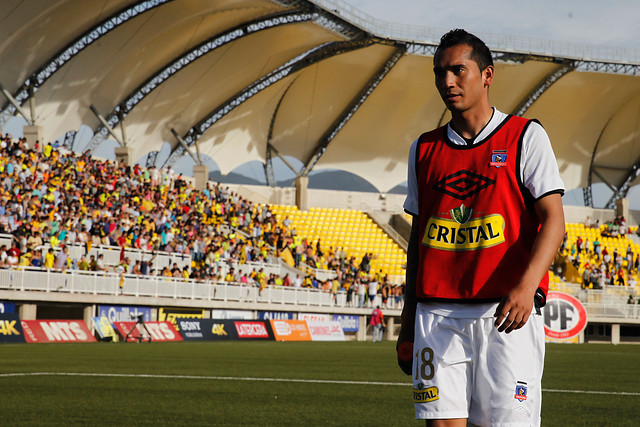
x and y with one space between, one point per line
465 368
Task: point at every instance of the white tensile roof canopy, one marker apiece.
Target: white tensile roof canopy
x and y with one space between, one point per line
248 80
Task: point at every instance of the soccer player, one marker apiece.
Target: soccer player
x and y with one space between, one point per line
485 196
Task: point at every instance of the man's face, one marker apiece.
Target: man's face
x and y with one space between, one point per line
459 80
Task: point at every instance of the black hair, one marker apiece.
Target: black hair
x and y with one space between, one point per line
480 53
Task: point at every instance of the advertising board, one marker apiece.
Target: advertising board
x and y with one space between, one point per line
564 317
7 307
123 313
206 329
275 315
253 330
290 330
11 328
232 314
37 331
105 329
223 329
158 331
326 331
314 317
171 314
349 322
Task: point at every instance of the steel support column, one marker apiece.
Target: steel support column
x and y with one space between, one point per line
152 157
69 139
186 147
108 128
307 59
16 106
269 175
177 64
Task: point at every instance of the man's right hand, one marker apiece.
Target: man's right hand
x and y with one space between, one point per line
405 356
408 316
404 346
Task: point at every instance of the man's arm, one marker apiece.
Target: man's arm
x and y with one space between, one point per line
514 309
408 316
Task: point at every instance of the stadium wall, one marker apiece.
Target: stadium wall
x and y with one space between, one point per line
77 306
39 305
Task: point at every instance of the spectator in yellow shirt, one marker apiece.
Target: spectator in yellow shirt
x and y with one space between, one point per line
49 259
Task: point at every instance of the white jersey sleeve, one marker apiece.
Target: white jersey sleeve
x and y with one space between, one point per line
538 164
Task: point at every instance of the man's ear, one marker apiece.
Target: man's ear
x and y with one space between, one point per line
487 75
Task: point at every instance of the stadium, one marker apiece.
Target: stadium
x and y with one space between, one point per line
122 121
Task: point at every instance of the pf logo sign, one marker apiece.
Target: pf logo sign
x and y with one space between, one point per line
564 316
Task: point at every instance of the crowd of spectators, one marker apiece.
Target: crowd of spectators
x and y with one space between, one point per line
615 228
599 264
52 198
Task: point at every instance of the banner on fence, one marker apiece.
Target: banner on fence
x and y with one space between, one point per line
314 317
36 331
7 307
564 318
123 313
10 328
223 329
349 322
232 314
206 329
253 330
157 331
290 330
275 315
326 331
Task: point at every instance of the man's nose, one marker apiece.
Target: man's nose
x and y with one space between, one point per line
448 79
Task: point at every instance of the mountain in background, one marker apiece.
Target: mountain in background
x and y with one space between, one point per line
323 180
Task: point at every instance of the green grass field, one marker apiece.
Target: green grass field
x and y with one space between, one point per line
245 383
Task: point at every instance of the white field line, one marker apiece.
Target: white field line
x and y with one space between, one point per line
279 380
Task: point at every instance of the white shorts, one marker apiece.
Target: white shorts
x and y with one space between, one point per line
465 368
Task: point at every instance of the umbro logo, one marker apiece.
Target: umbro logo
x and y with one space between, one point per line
463 184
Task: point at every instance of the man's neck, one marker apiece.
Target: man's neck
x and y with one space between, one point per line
468 124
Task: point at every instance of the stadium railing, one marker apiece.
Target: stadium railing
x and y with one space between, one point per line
604 303
6 239
617 311
94 283
609 302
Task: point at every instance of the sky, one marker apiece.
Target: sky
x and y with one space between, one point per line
614 23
